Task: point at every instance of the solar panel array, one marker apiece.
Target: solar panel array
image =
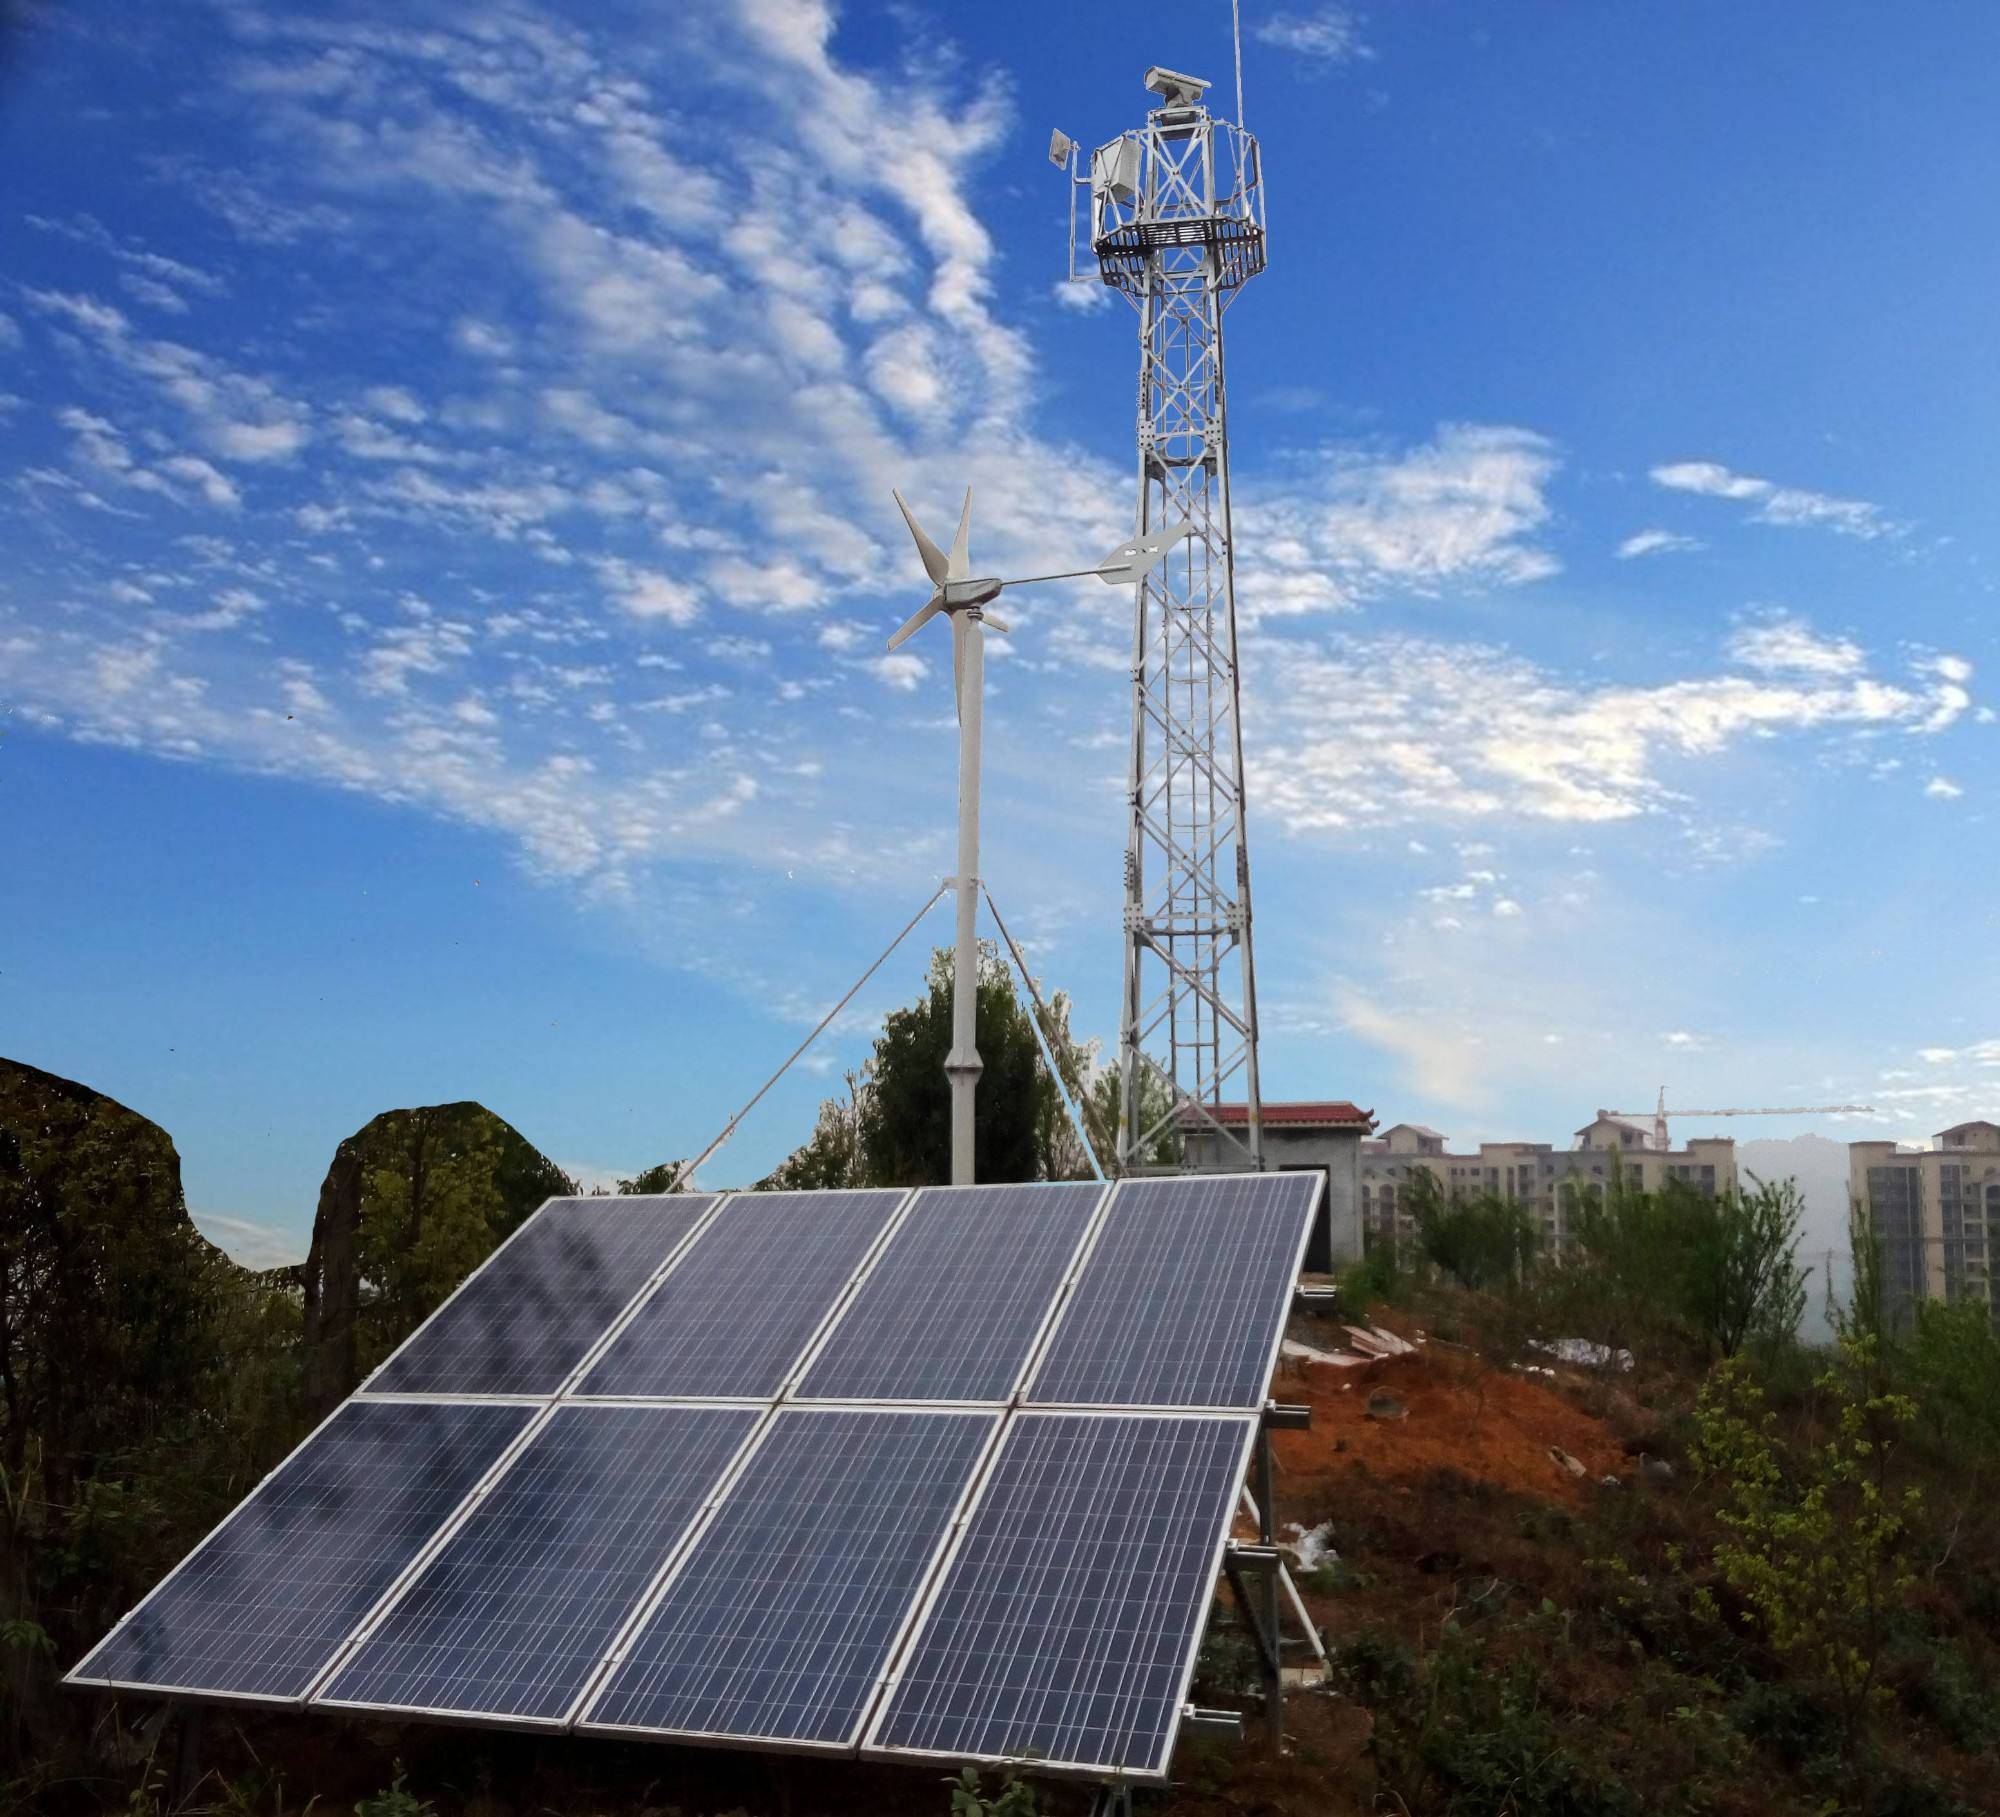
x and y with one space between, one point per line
934 1474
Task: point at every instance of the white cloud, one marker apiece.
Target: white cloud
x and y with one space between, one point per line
647 593
1654 542
1789 505
1458 511
1942 788
1389 730
1684 1040
899 670
1788 645
10 330
1325 35
486 338
240 416
1083 296
395 402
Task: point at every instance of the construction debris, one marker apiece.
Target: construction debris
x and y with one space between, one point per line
1313 1547
1582 1353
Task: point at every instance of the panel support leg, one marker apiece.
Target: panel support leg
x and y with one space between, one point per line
187 1752
1267 1594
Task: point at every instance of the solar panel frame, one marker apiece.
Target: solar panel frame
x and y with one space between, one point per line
1156 1771
830 1334
704 1216
319 1698
76 1676
997 1423
1032 1383
579 1386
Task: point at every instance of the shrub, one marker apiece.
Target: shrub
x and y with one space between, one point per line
1479 1239
1818 1547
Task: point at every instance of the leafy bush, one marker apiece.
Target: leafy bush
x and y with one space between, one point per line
1378 1279
1480 1239
397 1801
1724 1268
1015 1797
1819 1546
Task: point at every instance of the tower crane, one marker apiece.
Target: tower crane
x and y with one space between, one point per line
1661 1113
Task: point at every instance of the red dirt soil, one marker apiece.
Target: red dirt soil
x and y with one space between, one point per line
1493 1425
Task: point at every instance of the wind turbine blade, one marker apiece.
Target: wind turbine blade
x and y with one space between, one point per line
958 634
961 556
996 624
933 557
922 619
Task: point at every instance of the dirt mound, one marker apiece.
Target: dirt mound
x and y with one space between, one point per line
1442 1409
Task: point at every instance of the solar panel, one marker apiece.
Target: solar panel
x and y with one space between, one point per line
733 1316
779 1622
1064 1629
514 1614
1182 1301
522 1322
261 1606
955 1301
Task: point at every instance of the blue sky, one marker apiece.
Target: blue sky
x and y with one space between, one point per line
444 466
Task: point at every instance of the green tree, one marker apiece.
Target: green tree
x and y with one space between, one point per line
1819 1545
905 1115
132 1378
415 1199
1677 1262
431 1213
1744 1281
665 1177
832 1156
1480 1239
1156 1100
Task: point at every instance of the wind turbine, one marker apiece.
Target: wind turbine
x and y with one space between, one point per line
964 597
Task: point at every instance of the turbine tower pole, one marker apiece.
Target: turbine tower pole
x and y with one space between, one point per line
1177 225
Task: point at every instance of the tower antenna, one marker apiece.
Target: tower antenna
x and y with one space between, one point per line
1236 31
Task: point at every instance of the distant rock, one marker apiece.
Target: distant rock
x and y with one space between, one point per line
413 1202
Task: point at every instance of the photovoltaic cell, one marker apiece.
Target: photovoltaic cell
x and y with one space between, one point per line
520 1606
266 1600
955 1301
779 1623
1065 1628
1184 1295
737 1311
525 1320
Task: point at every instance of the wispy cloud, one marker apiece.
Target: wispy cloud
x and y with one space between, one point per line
1317 37
1459 511
1654 542
1394 729
1775 504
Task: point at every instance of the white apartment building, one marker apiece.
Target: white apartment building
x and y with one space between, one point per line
1935 1212
1532 1173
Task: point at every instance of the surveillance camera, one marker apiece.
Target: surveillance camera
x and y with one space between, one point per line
1175 89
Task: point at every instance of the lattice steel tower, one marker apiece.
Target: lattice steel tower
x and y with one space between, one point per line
1177 225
